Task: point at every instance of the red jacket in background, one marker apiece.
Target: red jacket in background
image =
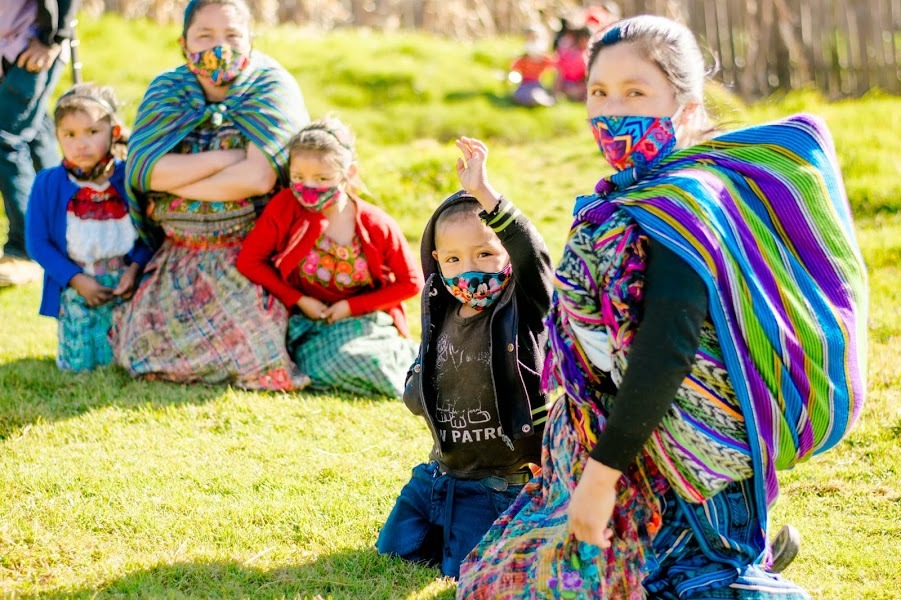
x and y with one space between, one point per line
285 233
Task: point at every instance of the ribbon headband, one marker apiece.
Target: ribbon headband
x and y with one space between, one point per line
342 138
71 95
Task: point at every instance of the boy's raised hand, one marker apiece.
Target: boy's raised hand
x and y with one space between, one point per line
473 173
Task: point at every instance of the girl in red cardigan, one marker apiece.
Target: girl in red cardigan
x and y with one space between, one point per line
343 264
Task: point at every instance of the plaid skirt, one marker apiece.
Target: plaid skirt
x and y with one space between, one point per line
196 319
363 355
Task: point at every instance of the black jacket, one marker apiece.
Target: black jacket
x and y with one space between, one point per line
55 19
518 335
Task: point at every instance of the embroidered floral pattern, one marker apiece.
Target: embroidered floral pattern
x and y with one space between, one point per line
336 266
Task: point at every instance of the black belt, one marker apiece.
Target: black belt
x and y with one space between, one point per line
500 483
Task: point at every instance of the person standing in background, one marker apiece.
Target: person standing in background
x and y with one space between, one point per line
32 35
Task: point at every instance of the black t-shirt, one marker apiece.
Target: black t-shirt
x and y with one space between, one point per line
466 412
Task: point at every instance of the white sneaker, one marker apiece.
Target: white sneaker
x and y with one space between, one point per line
16 271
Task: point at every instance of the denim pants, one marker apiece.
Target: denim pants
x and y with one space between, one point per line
27 142
438 519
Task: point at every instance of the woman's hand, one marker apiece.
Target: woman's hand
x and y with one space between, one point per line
37 57
591 505
94 293
312 308
337 311
128 282
473 173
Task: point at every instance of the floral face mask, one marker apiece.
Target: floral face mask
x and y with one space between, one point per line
220 64
478 289
316 199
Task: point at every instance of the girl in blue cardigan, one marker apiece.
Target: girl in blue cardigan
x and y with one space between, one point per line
79 230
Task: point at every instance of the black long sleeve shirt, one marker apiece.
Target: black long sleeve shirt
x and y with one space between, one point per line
663 351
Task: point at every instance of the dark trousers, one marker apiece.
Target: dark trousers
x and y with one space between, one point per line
27 142
438 519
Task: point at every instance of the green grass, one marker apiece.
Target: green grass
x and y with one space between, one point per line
111 487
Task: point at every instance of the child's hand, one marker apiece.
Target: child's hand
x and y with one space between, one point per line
128 282
312 308
473 173
337 311
91 290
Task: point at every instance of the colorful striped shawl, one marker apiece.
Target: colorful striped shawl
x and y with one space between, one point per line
264 102
761 214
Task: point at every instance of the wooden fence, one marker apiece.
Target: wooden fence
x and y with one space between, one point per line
841 47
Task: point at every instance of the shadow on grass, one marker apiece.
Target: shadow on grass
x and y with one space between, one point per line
350 574
34 391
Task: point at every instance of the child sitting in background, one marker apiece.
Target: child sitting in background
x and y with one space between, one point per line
571 63
79 230
342 262
477 378
528 69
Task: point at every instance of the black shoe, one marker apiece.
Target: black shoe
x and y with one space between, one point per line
785 548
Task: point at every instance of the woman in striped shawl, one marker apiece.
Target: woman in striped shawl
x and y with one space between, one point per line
708 328
208 149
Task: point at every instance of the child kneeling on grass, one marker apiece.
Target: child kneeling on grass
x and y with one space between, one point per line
477 378
78 229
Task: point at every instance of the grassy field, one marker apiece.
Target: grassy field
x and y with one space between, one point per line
111 487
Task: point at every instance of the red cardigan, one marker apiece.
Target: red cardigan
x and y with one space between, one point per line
285 233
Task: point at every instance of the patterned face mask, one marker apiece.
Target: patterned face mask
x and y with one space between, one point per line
220 64
634 141
478 289
316 199
101 168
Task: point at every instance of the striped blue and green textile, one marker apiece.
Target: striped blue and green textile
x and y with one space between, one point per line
264 102
761 214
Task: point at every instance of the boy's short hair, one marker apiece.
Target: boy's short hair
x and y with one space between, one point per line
456 211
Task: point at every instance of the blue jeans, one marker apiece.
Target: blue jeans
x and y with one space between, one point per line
27 142
438 519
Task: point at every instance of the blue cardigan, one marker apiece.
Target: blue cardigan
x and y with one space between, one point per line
45 231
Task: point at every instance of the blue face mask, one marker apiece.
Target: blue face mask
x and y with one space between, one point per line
634 141
478 289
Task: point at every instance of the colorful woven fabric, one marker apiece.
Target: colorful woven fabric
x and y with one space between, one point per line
701 444
195 318
201 224
761 215
83 330
663 547
530 552
264 102
362 355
